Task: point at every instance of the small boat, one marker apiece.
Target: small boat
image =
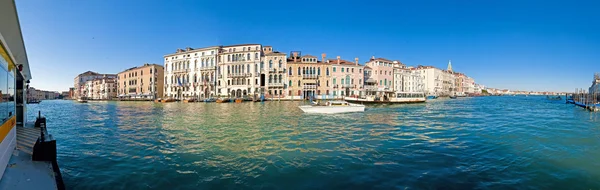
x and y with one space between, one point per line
452 97
167 100
34 101
223 100
157 100
332 107
210 100
431 97
189 100
553 98
238 100
82 100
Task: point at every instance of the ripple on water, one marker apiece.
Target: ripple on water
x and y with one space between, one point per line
487 142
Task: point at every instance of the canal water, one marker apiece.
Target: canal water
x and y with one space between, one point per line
469 143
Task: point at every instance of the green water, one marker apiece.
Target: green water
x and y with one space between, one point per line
469 143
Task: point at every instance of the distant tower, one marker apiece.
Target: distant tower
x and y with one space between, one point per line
450 65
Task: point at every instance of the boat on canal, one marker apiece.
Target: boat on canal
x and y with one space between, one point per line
189 100
82 100
210 100
167 100
332 107
388 97
431 97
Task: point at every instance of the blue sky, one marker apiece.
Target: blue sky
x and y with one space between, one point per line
520 45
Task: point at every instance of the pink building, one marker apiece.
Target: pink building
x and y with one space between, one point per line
382 72
346 77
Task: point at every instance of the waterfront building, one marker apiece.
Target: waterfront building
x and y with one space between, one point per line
407 79
71 92
595 88
382 71
81 79
104 88
144 82
239 72
308 77
276 64
191 73
346 77
437 81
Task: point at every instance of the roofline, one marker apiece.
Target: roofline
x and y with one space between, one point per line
194 50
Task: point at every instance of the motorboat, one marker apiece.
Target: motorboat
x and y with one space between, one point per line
332 107
157 100
431 97
210 100
167 100
452 97
82 100
239 100
189 100
223 100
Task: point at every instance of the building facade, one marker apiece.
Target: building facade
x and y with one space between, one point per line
191 73
382 72
241 70
100 89
276 74
347 77
407 79
81 79
143 82
308 77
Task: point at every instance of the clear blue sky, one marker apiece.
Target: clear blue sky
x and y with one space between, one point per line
520 45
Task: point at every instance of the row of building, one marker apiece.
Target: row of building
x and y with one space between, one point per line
256 70
37 94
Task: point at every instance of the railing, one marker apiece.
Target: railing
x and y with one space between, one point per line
276 84
239 75
181 71
309 76
310 86
347 86
208 68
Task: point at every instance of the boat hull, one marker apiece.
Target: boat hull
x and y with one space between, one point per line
332 109
392 101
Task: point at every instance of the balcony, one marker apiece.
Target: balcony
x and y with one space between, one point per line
272 70
309 86
208 68
347 86
310 76
181 71
275 84
230 75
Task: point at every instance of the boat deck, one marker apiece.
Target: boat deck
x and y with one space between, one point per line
24 173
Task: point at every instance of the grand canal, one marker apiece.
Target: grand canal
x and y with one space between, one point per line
483 142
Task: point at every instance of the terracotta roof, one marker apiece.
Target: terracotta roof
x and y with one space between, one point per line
309 56
367 67
342 62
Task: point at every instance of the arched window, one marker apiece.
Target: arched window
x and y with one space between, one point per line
347 79
166 79
280 81
248 56
270 79
228 57
270 63
195 78
327 71
255 55
256 68
280 64
298 85
212 62
248 69
290 72
299 70
318 71
262 65
228 69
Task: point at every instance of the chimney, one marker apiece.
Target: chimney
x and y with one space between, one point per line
372 57
323 57
356 61
295 56
338 59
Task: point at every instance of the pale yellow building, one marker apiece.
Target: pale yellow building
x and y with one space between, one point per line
308 77
141 83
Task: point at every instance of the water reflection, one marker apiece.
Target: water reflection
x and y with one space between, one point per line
272 144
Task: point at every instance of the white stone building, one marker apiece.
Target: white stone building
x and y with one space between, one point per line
191 73
240 70
100 89
407 79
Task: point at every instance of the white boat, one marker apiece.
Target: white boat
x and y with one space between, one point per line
388 97
333 107
82 100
